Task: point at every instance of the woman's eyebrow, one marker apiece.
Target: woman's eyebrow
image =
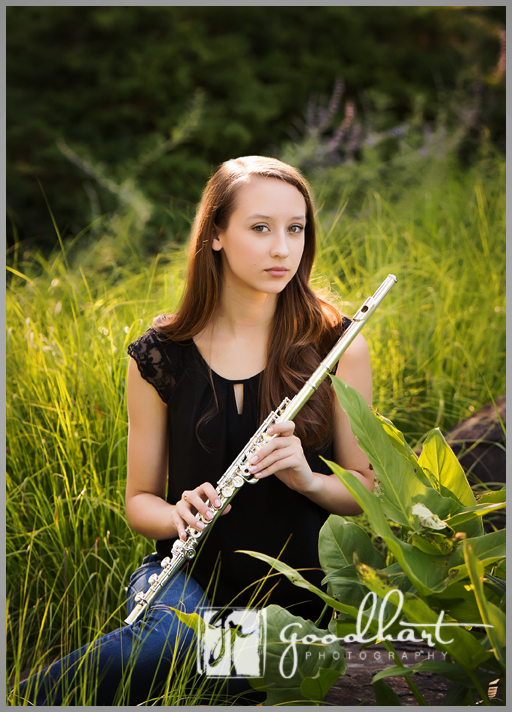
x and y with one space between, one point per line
268 217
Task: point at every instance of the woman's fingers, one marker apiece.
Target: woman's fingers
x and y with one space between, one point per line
211 494
194 501
274 444
286 428
275 461
180 525
185 512
276 450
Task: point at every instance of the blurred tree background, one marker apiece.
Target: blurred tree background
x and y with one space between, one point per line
106 104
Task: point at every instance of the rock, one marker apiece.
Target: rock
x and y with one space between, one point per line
355 687
479 443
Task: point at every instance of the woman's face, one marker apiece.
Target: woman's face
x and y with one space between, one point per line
263 243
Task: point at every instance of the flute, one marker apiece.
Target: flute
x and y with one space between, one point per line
238 473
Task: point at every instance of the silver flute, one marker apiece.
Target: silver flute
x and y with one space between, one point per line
238 472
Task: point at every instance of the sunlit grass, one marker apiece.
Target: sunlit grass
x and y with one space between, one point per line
438 340
437 345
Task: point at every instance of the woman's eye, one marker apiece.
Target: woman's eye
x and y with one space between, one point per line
296 228
260 228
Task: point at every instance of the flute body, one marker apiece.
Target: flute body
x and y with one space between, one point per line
238 473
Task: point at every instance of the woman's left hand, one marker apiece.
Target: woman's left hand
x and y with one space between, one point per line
283 456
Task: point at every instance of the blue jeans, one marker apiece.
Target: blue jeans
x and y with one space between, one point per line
139 657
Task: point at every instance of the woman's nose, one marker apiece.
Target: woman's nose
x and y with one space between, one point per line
280 245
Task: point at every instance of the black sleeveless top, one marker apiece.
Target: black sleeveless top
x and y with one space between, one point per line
267 517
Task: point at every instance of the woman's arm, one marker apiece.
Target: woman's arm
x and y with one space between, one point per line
284 456
147 511
353 368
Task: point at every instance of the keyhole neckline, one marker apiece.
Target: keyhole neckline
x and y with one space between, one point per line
222 378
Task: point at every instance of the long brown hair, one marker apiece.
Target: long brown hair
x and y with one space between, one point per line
304 325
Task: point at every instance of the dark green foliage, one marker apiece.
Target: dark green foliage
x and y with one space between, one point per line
113 82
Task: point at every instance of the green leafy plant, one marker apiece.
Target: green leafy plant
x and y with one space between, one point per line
433 554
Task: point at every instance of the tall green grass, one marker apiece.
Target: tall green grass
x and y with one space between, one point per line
438 341
437 346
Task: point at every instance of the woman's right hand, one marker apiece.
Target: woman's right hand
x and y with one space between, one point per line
193 501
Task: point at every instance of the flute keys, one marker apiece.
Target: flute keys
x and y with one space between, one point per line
238 481
153 579
165 562
227 491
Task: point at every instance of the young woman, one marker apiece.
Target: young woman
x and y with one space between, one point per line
249 332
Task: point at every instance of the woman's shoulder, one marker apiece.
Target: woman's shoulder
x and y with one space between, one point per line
157 334
151 340
158 357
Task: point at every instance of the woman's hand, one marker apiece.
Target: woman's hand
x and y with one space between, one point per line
283 456
193 501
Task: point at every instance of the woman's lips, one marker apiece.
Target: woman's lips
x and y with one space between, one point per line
276 271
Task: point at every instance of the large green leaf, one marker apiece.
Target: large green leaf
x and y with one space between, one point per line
439 459
456 696
339 541
317 664
395 471
399 442
348 574
428 572
344 585
401 478
440 505
463 647
339 538
385 696
316 688
344 576
457 602
492 616
433 542
469 513
493 496
487 549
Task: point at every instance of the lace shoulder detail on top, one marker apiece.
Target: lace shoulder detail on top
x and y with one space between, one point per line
154 363
343 326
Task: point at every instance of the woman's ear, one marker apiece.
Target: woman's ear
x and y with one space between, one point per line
216 241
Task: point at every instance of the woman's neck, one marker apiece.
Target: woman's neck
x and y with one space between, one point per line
234 343
242 312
